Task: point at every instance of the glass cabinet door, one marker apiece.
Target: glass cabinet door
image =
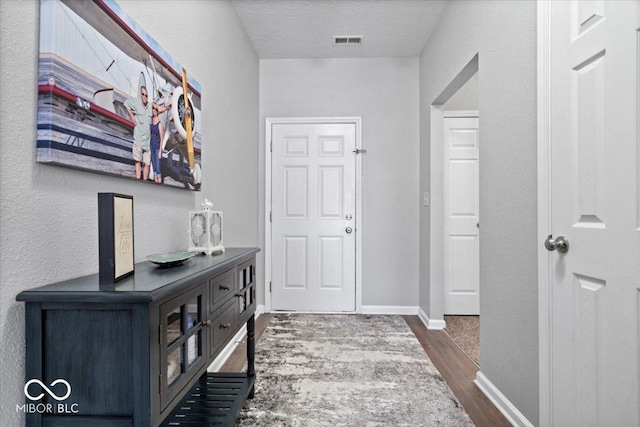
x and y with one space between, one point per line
181 342
247 290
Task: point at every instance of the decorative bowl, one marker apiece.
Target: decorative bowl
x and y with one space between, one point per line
171 259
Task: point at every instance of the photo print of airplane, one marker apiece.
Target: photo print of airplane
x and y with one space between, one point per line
93 57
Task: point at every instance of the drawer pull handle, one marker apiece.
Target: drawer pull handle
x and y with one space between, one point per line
225 325
225 288
241 294
206 322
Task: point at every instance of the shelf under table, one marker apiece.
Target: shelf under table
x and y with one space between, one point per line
215 400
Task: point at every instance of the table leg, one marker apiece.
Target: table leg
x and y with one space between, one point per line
251 344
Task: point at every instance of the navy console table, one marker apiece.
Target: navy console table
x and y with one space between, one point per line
136 353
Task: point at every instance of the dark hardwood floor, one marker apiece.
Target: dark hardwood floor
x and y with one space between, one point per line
238 358
455 367
459 372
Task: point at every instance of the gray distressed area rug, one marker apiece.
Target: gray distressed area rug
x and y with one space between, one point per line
347 370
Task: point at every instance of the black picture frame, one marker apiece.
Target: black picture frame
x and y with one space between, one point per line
115 235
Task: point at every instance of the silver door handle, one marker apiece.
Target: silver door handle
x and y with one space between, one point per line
349 230
560 243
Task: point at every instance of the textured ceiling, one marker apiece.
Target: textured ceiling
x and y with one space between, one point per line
305 28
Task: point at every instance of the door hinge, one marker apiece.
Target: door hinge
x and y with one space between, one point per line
271 146
160 382
160 340
269 286
270 216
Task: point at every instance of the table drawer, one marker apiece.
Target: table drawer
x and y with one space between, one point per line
223 326
221 288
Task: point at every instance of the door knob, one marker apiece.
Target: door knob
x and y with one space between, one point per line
349 230
560 243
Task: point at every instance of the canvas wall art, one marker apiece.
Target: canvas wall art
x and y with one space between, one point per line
111 100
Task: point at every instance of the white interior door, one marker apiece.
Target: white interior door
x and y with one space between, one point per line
313 217
461 224
594 286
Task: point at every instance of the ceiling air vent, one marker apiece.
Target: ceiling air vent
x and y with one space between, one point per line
347 40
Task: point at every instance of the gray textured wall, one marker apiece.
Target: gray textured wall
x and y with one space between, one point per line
48 215
466 98
48 220
384 92
503 34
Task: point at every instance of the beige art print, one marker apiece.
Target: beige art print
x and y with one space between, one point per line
123 235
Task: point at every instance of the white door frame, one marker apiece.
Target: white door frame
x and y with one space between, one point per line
544 210
357 121
470 113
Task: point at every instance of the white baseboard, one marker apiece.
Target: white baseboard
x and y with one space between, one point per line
432 324
219 361
389 309
228 350
500 401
